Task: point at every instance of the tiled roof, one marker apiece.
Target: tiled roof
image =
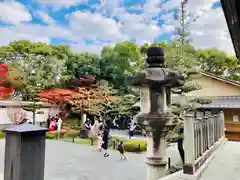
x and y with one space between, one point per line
21 103
224 102
227 81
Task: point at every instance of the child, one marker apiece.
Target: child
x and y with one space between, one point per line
121 150
100 142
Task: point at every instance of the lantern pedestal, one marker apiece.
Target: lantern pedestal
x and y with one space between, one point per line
155 84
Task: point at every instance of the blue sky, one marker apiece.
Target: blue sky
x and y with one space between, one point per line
87 25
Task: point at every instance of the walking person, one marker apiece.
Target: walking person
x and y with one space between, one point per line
52 125
105 139
131 129
100 142
56 124
59 126
59 123
180 143
121 150
48 121
99 135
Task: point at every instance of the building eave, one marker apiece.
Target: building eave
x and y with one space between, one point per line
234 83
231 9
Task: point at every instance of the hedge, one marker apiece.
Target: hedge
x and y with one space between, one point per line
135 145
1 135
130 145
50 135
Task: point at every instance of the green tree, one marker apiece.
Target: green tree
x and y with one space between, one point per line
83 64
219 63
120 61
37 73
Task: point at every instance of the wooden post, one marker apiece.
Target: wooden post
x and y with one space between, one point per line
24 152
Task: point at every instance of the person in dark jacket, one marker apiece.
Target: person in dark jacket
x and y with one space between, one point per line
105 140
180 143
48 121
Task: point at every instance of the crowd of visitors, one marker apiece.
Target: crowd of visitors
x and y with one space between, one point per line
54 123
101 130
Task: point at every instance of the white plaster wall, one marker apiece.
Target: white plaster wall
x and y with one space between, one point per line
4 119
41 117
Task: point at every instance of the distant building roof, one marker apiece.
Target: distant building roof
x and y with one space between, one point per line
21 103
224 102
227 81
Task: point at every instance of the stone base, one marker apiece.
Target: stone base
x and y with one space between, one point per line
156 171
156 161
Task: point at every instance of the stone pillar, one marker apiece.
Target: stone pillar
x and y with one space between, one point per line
156 160
144 100
200 119
156 156
154 111
211 119
24 152
189 140
222 123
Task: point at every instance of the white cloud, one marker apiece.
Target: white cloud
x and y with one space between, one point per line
45 17
210 28
93 48
136 28
102 25
34 32
94 26
59 4
212 32
13 12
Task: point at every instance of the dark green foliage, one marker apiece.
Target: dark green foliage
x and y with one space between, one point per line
1 135
50 135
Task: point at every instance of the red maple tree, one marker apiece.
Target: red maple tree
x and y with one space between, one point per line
5 92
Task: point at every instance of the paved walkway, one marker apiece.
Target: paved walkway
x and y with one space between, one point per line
225 165
82 162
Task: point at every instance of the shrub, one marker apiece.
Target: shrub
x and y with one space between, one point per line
50 135
1 135
62 133
77 128
135 145
72 134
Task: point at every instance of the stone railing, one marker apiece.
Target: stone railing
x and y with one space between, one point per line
203 133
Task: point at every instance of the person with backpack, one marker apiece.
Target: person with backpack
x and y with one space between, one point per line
105 138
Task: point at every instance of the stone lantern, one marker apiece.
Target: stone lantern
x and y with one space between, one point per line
155 84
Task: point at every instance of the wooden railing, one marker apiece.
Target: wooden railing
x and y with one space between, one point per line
203 133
